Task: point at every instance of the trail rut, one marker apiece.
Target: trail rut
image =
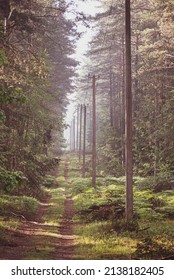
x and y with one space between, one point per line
65 246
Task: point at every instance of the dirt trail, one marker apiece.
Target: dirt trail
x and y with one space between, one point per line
21 238
31 238
65 247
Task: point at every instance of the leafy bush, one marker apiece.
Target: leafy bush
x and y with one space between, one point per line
103 212
167 211
157 202
50 182
18 205
10 180
163 185
36 167
121 225
3 58
80 185
2 116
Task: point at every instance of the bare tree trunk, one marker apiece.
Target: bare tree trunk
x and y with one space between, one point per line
80 135
77 136
74 134
94 133
84 141
111 98
70 137
128 116
123 106
5 12
156 111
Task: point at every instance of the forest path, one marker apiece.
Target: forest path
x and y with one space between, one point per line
64 250
27 239
38 239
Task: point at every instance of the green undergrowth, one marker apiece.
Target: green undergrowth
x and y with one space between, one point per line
42 251
50 182
13 211
55 207
7 226
104 234
18 205
99 241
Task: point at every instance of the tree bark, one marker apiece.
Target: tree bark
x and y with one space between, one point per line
111 98
74 134
80 133
77 136
128 116
84 141
94 132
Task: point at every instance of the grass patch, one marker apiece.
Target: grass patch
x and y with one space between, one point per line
6 228
19 205
56 206
42 250
99 241
12 210
107 236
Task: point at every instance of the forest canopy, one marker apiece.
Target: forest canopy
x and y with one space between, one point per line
109 192
36 41
152 87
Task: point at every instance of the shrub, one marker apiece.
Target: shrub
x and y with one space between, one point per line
80 185
50 182
121 224
163 185
149 248
10 180
18 205
157 202
103 212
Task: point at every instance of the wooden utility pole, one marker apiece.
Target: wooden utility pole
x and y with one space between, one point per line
123 104
90 129
94 131
74 133
71 136
84 139
80 134
70 139
128 116
77 136
94 154
111 97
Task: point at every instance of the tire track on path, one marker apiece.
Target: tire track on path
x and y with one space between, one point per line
64 249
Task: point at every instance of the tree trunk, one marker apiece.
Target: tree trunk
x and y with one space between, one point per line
128 116
111 98
77 136
74 134
94 132
80 134
84 141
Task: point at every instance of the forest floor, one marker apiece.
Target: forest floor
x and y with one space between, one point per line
28 240
78 221
64 248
